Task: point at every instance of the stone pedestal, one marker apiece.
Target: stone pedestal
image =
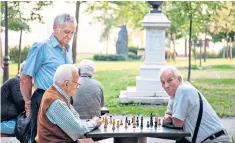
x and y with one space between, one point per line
148 86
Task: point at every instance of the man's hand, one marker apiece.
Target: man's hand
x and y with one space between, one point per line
28 108
97 121
167 119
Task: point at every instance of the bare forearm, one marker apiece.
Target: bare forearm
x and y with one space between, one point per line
177 122
26 86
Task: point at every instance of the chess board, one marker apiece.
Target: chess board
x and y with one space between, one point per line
130 129
130 123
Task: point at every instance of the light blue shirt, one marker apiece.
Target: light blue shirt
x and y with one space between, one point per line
43 60
68 120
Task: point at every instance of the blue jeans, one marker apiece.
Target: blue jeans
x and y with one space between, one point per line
8 127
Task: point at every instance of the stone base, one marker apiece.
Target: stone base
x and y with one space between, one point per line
146 97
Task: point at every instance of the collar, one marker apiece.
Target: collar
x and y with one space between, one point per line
61 91
55 42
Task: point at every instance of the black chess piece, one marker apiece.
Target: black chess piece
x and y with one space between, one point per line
151 120
155 124
126 119
141 123
147 124
137 121
129 122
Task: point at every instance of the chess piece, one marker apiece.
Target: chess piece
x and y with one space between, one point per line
147 124
126 125
151 120
117 124
113 121
137 121
126 119
141 123
110 120
134 125
113 128
121 123
155 124
159 122
105 125
129 122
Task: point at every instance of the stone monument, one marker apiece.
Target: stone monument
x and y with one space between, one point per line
122 41
148 86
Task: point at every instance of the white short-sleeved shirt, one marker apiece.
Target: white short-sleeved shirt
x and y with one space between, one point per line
185 106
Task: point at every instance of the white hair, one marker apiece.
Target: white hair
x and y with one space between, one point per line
173 69
63 73
61 19
87 68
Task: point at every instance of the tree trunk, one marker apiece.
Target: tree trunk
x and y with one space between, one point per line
174 51
230 48
74 45
190 36
227 48
205 54
185 48
200 56
19 54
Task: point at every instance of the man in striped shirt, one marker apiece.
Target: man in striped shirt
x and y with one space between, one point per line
58 121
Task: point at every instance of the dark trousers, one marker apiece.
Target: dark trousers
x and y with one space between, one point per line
35 104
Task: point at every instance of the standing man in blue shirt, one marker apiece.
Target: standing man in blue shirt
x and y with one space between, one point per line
41 64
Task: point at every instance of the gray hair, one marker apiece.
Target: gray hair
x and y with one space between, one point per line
61 19
63 73
87 68
173 69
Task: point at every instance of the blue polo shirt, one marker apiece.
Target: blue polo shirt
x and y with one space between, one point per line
43 60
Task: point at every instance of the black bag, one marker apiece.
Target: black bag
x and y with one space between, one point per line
22 128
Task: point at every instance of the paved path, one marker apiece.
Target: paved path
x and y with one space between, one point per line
229 124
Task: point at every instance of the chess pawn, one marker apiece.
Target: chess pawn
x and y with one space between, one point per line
117 124
121 123
105 125
110 120
134 125
155 124
147 124
159 122
126 125
156 119
113 126
129 122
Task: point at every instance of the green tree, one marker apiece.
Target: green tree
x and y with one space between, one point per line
17 21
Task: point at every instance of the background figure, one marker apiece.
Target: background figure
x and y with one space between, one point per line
89 98
58 121
183 109
12 103
122 41
41 64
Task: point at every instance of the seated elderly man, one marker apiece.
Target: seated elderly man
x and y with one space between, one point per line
89 98
12 104
185 107
58 121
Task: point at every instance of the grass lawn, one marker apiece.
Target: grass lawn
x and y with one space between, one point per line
216 82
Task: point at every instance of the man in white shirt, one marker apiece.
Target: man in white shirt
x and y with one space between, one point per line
183 108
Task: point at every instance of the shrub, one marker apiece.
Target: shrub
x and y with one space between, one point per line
222 50
133 56
14 54
133 50
102 57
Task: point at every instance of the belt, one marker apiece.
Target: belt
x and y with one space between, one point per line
215 135
40 90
